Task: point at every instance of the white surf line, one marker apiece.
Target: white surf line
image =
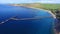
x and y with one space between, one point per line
42 9
6 20
47 11
37 17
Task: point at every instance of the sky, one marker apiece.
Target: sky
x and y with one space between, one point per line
29 1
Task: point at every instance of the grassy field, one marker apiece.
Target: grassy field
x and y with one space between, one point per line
51 7
40 5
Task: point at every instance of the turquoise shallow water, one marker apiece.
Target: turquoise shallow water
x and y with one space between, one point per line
35 26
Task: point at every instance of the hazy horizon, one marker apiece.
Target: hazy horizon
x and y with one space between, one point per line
29 1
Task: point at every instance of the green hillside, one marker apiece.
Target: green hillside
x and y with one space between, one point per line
40 5
51 7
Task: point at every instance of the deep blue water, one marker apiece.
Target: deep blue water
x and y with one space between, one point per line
35 26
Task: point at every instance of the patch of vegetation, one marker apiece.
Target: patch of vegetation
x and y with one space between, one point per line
51 7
